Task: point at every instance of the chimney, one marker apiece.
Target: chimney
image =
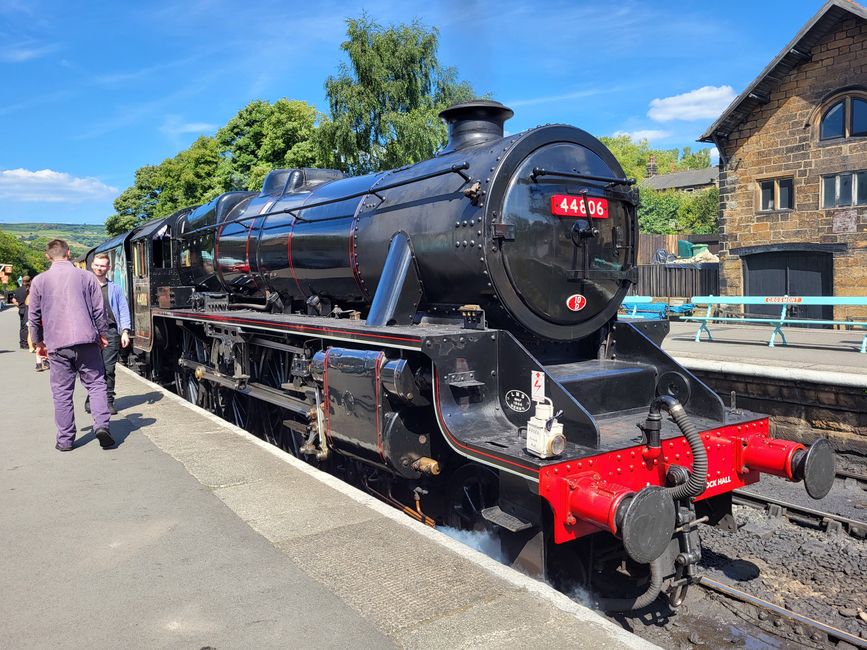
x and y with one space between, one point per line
474 123
651 166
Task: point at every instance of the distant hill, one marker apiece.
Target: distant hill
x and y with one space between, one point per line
81 237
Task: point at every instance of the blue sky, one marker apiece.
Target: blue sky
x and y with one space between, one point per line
90 91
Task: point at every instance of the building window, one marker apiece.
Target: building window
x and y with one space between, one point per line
843 190
845 118
776 194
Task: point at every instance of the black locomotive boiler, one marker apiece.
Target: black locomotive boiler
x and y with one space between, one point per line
445 335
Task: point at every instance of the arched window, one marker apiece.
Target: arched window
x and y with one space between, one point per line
845 118
859 117
832 122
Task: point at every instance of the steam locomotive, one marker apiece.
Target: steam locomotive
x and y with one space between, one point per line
445 335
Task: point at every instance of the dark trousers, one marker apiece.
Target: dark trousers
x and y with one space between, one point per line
85 362
109 360
22 328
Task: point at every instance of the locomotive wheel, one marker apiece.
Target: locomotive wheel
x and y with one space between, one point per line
237 409
179 381
472 488
271 428
221 403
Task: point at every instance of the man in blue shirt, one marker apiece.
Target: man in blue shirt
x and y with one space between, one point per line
117 314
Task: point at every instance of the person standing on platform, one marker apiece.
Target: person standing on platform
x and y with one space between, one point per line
19 299
67 319
117 314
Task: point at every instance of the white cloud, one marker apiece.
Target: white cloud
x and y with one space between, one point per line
549 99
714 156
25 51
644 134
173 125
703 103
50 186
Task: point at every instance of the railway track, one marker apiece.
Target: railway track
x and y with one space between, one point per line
804 515
860 479
819 631
828 521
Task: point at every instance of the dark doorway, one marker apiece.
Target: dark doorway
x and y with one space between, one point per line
790 273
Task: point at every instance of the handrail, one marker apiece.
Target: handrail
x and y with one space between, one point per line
373 190
857 301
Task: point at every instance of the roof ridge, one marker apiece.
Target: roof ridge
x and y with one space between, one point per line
795 55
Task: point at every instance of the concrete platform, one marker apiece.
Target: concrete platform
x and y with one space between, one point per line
810 354
195 534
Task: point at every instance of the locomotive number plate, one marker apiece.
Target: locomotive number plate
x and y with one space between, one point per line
565 205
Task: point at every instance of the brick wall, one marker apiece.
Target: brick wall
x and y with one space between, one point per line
780 139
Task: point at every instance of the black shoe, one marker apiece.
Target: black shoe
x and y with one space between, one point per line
59 448
111 408
105 439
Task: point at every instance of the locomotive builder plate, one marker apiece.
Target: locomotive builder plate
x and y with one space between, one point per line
518 400
565 205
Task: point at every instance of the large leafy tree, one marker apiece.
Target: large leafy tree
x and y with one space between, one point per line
670 211
260 137
699 212
190 177
137 202
24 259
633 156
287 140
239 142
384 102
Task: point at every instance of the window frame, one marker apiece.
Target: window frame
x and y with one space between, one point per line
847 101
776 198
857 199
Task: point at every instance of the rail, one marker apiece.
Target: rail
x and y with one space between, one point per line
827 521
785 303
833 633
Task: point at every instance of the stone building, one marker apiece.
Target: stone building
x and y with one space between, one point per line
793 168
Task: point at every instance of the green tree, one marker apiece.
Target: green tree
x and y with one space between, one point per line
690 159
190 178
657 212
670 211
137 202
24 259
239 142
384 102
699 212
633 156
287 142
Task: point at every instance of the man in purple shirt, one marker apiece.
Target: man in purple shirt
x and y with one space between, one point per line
68 318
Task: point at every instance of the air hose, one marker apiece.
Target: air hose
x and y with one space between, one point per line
698 477
693 487
629 604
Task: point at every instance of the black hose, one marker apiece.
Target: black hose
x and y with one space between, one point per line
697 482
629 604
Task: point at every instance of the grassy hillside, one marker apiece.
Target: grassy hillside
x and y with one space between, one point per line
81 237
